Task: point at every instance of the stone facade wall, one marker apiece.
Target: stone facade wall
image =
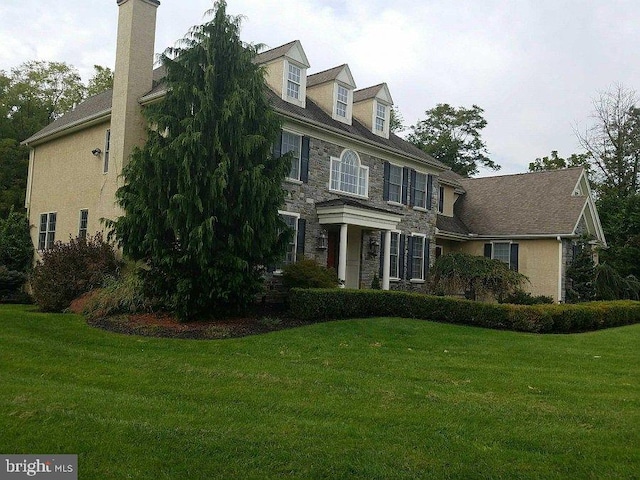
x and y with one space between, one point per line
302 198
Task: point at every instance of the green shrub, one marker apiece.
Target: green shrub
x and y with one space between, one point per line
323 304
520 297
67 270
11 286
375 283
16 249
308 273
456 273
121 295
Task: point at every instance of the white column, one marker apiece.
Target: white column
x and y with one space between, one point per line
386 263
342 256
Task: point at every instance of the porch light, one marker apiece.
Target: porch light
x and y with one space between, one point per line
322 240
96 152
374 247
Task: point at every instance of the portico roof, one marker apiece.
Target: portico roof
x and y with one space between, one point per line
352 212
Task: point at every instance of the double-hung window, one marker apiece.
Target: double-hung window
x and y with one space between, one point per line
501 251
506 252
47 231
420 190
292 143
84 220
417 257
292 223
341 101
381 115
295 247
348 175
395 183
395 257
293 82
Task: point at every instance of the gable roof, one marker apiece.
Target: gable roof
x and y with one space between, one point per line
328 75
373 92
539 203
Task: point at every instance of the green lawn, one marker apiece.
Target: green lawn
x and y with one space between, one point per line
370 399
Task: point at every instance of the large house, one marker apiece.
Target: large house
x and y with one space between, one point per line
359 198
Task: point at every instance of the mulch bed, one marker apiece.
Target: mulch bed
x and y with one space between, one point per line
164 325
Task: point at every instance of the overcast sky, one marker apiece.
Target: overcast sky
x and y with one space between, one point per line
533 66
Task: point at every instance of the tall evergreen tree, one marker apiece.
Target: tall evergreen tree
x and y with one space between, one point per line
201 197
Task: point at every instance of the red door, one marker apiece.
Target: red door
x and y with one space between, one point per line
333 245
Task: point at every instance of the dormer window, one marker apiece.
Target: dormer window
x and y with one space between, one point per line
342 101
381 115
293 82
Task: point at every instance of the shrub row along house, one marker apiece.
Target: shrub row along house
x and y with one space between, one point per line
359 198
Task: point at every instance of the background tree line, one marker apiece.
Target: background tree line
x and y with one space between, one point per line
31 96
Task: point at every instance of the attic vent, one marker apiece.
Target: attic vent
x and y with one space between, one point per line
577 192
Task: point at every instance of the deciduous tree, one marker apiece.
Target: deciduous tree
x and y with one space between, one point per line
453 136
613 141
202 195
101 81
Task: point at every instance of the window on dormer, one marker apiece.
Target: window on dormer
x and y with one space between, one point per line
381 115
341 104
293 82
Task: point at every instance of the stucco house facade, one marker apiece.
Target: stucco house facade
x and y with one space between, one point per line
359 198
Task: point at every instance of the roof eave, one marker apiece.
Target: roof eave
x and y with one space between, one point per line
80 124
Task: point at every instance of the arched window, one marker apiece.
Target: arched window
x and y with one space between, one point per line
348 175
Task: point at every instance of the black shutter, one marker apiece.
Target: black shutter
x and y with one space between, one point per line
382 237
487 250
427 244
513 257
410 259
302 224
304 160
277 147
401 256
405 186
412 196
385 184
429 190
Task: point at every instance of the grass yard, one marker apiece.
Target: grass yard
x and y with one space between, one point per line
364 399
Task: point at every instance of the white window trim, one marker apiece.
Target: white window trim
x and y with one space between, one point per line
349 105
393 202
278 271
399 257
301 101
422 279
493 250
423 207
47 230
363 168
291 132
80 222
387 120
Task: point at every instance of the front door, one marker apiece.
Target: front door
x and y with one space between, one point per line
333 249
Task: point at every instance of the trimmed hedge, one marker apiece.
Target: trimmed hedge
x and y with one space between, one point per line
326 304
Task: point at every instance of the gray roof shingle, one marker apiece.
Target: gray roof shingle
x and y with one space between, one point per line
102 103
324 76
274 53
539 203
